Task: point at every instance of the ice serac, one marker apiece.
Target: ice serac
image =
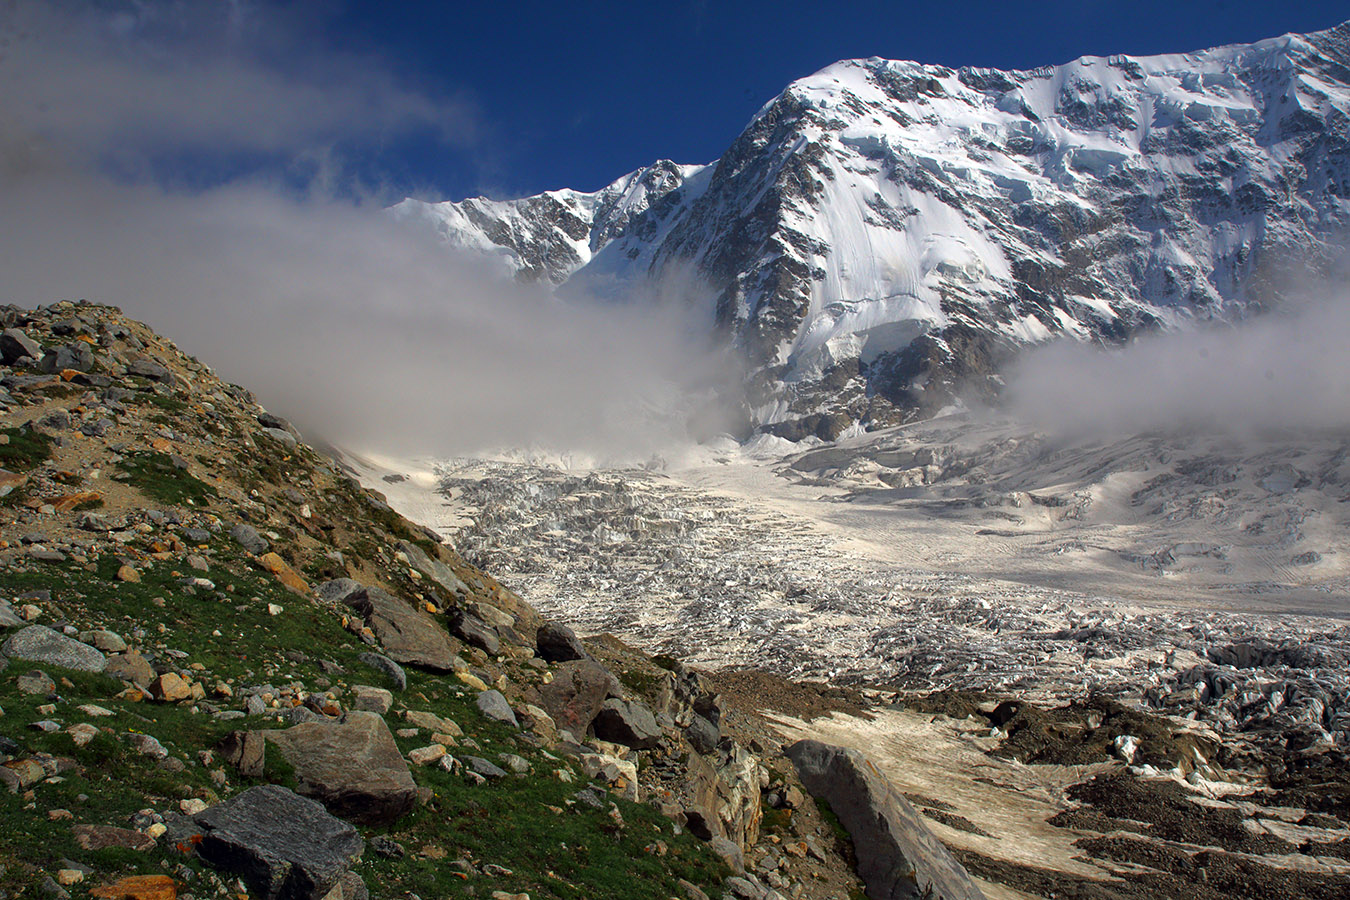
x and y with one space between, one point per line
898 857
884 235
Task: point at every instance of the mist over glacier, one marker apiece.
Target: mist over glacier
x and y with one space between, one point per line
295 279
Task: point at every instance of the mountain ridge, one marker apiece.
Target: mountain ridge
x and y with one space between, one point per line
883 236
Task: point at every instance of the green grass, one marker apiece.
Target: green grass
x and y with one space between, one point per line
158 478
27 449
556 848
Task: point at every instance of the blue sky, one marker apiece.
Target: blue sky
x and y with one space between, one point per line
576 94
446 100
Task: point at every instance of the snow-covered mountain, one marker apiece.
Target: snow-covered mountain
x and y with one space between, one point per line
883 235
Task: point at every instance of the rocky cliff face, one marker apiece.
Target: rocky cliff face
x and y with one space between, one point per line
883 235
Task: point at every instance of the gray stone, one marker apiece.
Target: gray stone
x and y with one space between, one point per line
480 766
38 643
353 767
283 846
493 705
408 635
475 632
75 355
15 345
381 663
371 699
336 592
104 640
730 851
558 643
36 682
147 368
433 569
898 857
9 618
629 723
248 538
702 734
132 667
246 751
282 437
146 745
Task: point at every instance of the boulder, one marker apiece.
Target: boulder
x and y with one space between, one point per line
434 570
15 345
76 355
475 632
101 837
702 734
148 368
577 692
247 537
898 857
383 664
353 767
283 846
726 794
132 667
371 699
246 751
433 723
408 635
629 723
170 688
493 705
558 643
40 644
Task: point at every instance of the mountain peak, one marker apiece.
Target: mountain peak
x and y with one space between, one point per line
884 235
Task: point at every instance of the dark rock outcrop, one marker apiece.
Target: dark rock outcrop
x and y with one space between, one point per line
283 846
898 857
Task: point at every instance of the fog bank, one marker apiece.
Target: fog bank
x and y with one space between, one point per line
1286 370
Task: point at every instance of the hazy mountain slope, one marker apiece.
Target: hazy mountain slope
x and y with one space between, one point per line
884 233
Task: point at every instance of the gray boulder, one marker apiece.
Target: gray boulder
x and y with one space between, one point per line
75 355
381 663
248 538
558 643
408 635
38 643
434 569
898 857
475 632
353 767
284 847
480 766
8 617
493 705
336 592
148 368
15 345
629 723
703 735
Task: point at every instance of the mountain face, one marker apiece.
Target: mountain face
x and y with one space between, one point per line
883 235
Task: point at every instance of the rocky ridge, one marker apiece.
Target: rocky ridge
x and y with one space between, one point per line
226 669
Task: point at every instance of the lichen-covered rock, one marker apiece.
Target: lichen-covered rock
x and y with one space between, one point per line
40 644
353 767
